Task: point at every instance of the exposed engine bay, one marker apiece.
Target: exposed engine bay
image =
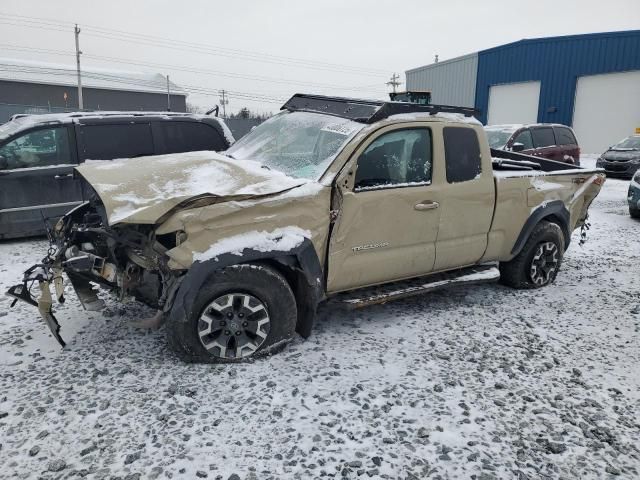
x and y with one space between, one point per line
129 260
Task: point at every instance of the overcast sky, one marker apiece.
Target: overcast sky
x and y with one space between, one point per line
291 41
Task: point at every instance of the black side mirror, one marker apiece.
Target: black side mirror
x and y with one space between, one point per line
4 163
517 147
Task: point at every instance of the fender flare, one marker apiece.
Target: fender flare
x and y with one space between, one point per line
303 272
555 208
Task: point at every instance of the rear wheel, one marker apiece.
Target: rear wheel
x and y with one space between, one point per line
539 261
634 212
243 311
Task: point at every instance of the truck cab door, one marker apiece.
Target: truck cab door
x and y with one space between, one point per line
36 180
469 200
388 219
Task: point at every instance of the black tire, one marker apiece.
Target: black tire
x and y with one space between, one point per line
524 271
267 291
634 212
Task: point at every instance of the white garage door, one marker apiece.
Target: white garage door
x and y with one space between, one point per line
513 103
607 109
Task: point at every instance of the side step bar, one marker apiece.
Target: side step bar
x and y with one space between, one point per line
416 286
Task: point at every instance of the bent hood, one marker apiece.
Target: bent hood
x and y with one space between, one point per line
141 190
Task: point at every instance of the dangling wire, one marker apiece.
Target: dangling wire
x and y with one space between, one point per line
583 230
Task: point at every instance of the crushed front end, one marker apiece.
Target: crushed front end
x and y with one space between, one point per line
128 260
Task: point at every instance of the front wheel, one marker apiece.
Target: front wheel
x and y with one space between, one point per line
539 261
634 212
241 312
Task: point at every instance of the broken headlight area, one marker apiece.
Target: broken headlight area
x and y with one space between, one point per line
127 260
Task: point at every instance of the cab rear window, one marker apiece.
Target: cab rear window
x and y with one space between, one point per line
462 154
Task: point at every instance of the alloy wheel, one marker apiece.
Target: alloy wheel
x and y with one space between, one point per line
544 263
234 325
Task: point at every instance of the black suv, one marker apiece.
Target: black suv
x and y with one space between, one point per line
38 154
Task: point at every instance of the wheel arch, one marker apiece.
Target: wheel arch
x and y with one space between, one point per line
299 266
554 212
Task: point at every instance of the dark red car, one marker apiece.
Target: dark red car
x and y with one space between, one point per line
546 140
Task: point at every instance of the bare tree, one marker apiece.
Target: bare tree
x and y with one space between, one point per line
191 108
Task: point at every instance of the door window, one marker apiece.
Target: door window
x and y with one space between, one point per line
462 154
106 142
525 139
40 148
398 158
543 137
564 136
189 137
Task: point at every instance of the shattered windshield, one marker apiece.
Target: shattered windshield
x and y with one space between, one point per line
629 143
498 137
300 144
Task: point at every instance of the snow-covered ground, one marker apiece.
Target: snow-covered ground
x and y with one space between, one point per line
474 382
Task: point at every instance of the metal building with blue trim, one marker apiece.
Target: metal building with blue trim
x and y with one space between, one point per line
590 82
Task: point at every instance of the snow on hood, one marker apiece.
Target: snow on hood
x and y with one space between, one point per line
141 190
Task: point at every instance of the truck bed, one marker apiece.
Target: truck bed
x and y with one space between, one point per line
530 188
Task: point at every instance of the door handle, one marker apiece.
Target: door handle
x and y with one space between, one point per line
428 205
62 177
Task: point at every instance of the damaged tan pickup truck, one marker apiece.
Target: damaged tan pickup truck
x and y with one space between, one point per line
353 201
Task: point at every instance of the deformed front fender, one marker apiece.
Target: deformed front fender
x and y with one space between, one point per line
300 266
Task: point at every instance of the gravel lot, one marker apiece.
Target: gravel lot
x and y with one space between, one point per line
476 382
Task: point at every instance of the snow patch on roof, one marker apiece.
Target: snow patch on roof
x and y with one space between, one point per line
446 116
505 128
25 122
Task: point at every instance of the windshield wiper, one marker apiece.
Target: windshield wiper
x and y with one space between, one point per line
230 156
264 166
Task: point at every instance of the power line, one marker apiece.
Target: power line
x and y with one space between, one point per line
119 35
225 74
19 48
156 41
164 67
159 85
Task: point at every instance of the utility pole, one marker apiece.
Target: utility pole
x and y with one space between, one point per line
394 81
168 95
78 53
224 101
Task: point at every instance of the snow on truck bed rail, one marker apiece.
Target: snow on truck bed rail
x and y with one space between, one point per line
539 173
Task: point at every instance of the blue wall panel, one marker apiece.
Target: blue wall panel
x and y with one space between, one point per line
556 62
